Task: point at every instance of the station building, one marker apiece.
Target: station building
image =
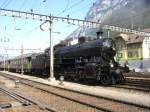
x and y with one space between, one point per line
132 47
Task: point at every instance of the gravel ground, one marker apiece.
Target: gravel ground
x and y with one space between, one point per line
31 108
68 106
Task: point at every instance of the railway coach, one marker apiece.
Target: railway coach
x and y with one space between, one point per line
32 63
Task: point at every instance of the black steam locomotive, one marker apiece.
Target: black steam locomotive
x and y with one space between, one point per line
93 60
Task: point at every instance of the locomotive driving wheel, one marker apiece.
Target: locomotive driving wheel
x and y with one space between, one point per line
121 77
105 79
77 76
76 79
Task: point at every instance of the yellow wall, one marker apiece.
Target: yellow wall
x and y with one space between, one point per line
127 51
135 51
121 49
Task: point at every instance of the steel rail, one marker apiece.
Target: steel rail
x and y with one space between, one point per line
22 100
25 99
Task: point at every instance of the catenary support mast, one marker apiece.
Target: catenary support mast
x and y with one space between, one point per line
51 50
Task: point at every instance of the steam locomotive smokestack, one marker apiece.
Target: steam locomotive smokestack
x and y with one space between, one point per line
99 34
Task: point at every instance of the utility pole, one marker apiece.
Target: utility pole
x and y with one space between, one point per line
4 64
22 60
51 54
3 56
4 40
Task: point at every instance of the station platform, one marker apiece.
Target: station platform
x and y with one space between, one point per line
122 95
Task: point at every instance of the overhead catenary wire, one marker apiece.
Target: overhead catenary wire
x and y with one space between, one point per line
80 9
6 3
3 3
31 6
23 4
67 5
31 31
41 3
77 3
69 8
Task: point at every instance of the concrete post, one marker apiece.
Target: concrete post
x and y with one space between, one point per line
51 53
22 60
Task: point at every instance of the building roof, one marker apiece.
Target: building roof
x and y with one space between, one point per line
135 39
131 39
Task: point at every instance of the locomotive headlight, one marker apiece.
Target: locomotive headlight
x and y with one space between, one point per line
111 65
107 43
127 65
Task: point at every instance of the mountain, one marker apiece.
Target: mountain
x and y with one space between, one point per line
132 14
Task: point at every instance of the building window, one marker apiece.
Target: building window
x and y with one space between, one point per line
133 54
120 55
130 54
136 54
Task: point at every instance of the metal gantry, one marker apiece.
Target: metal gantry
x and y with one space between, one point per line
78 22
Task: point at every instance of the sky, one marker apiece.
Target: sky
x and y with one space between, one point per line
15 32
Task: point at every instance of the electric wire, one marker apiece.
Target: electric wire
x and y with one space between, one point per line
4 3
7 3
77 3
69 8
80 9
66 7
31 31
23 4
40 8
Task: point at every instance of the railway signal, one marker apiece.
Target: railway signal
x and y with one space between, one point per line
78 22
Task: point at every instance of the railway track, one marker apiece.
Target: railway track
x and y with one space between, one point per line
70 101
137 74
11 101
135 83
138 84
